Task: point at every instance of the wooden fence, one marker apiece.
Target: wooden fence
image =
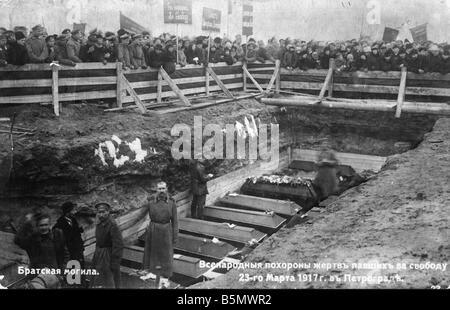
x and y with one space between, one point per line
50 83
432 86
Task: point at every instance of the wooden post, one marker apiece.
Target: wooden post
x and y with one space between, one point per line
119 84
159 88
330 86
278 80
275 75
253 80
219 82
174 87
325 84
207 81
401 93
244 69
55 90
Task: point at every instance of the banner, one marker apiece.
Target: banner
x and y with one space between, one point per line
390 34
178 12
419 33
81 27
130 25
247 18
211 20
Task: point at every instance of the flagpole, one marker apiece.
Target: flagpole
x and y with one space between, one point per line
177 43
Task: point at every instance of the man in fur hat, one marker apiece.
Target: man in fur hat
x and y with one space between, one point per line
123 52
73 46
36 46
3 51
137 52
18 53
433 61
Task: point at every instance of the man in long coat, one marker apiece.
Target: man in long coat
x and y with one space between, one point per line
108 250
162 233
198 188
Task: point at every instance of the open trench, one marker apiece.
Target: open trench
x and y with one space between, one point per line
47 175
240 221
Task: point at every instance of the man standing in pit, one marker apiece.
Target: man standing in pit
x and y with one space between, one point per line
326 182
199 188
108 250
162 234
72 231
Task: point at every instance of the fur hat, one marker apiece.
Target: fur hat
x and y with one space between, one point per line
19 35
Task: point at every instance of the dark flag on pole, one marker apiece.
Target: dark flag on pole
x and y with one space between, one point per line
390 34
419 33
130 25
230 7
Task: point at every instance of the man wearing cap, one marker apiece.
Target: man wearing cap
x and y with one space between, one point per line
66 33
433 61
199 187
374 60
290 57
123 51
73 46
36 45
72 231
3 50
156 57
251 55
108 250
137 52
326 182
162 233
45 247
18 53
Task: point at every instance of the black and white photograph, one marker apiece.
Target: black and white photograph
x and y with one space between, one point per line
211 145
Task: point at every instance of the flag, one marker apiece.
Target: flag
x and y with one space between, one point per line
419 33
130 25
230 7
390 34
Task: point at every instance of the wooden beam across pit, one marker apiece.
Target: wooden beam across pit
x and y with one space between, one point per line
264 204
184 265
221 230
255 218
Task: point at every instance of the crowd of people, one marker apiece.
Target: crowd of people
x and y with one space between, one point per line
141 50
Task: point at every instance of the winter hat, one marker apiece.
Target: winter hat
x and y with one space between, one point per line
67 207
367 49
433 48
19 35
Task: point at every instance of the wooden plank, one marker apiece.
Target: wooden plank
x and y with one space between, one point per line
401 93
174 87
255 218
264 204
253 80
203 246
119 88
219 82
220 230
47 67
133 94
416 91
55 89
183 265
25 83
275 76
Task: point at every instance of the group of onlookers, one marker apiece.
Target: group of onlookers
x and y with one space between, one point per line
141 50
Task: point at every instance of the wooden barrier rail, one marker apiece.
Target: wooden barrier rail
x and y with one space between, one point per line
46 83
52 83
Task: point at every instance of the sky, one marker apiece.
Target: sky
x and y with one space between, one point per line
305 19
